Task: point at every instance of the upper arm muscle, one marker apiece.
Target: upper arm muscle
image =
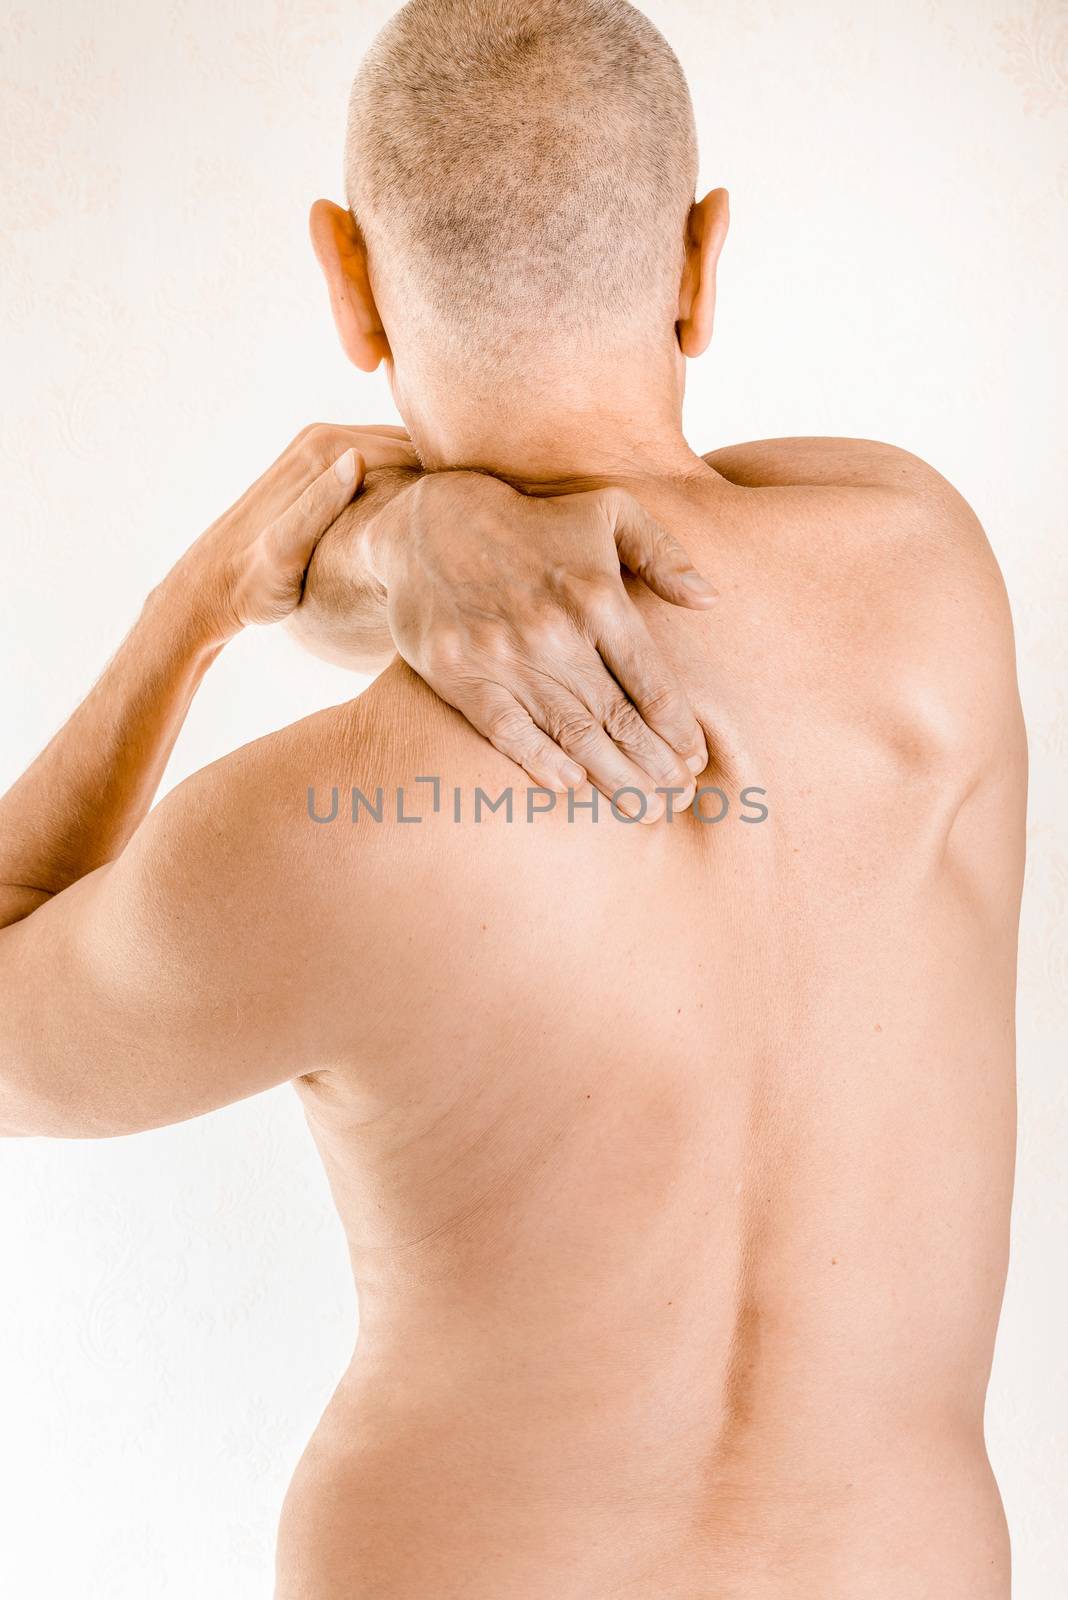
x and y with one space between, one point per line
176 979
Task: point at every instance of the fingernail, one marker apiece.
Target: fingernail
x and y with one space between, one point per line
345 468
699 585
654 810
697 763
574 777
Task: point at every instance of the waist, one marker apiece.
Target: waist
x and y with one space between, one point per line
394 1499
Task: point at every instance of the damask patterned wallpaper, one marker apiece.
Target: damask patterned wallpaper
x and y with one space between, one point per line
177 1306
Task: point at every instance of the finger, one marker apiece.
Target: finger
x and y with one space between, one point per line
576 730
593 682
662 766
313 450
658 699
499 717
319 446
316 447
383 446
656 556
389 429
292 537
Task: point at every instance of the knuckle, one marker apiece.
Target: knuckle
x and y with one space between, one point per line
606 588
661 702
657 553
494 639
614 502
509 728
445 652
671 559
596 597
654 553
321 445
573 730
547 638
623 724
308 436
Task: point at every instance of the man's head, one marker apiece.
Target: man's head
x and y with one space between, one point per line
521 174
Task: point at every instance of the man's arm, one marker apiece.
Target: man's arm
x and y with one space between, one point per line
152 968
189 973
101 963
342 616
78 804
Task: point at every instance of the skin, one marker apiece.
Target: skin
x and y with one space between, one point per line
700 1302
675 1161
515 610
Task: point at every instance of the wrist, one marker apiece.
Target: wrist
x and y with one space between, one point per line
190 617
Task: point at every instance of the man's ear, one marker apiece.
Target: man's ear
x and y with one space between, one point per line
706 229
342 254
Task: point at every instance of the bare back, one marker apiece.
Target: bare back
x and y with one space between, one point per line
676 1161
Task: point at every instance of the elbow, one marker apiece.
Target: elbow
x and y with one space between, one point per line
26 1115
348 642
16 1121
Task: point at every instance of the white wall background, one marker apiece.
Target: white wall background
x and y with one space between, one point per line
176 1307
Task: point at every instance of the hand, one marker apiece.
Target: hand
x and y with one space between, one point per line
514 610
249 566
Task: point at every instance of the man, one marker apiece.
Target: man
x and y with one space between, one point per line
675 1161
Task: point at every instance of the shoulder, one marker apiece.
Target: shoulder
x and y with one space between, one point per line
895 515
908 518
256 910
816 460
897 518
920 598
276 826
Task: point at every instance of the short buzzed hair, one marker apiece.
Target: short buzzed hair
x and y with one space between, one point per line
524 168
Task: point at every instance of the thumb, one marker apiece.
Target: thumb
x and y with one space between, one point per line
292 537
656 556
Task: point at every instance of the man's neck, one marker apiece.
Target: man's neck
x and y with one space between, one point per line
582 436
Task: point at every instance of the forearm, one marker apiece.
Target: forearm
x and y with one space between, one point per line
342 614
77 805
